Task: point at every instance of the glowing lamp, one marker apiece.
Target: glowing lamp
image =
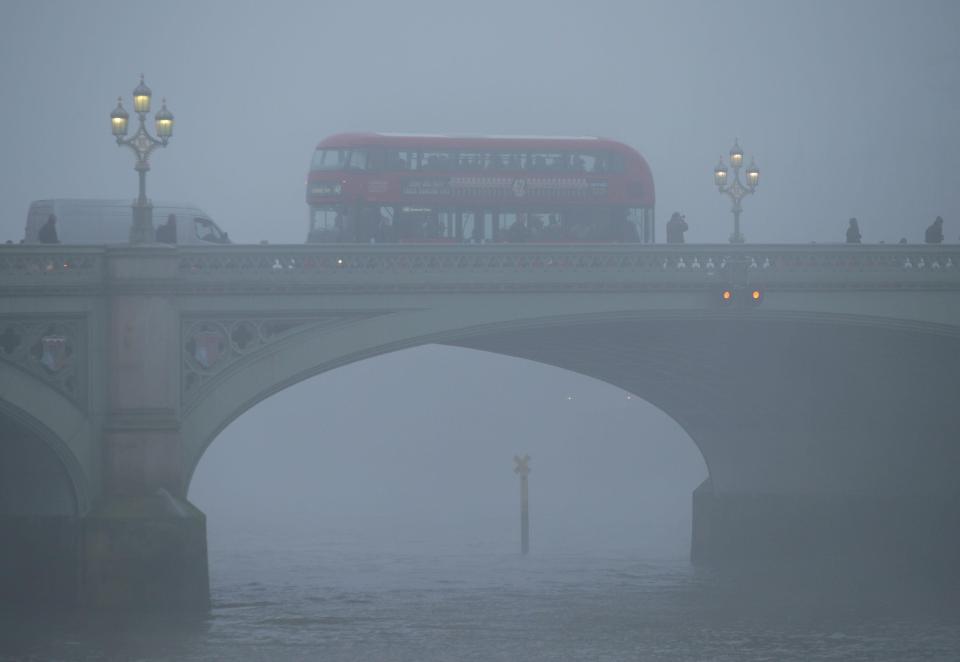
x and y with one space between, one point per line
726 296
756 296
720 174
141 97
118 119
736 155
164 121
753 174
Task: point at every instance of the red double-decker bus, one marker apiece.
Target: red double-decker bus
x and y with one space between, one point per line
381 187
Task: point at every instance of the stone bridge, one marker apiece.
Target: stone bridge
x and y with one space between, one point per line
826 411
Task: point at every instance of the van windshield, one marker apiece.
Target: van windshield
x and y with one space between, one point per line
206 230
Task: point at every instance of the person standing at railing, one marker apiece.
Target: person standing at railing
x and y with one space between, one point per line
676 226
934 233
853 232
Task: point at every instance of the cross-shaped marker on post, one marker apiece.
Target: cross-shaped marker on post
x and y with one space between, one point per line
523 470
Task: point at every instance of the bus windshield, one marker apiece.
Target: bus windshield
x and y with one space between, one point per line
339 159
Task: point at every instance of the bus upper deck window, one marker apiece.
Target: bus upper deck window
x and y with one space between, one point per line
375 159
401 160
358 159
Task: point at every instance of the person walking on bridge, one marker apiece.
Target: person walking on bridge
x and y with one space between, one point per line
853 232
676 226
934 233
48 232
167 233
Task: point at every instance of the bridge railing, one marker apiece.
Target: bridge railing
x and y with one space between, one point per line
608 265
51 269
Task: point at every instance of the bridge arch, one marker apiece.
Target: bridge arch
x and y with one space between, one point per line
202 425
40 474
363 452
47 415
699 368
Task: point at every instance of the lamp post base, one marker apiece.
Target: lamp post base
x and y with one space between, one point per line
142 232
737 238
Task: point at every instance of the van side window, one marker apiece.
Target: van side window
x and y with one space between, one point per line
207 231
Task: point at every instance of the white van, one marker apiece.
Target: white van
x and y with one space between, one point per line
86 221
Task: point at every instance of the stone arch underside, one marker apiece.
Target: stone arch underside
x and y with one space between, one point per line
34 478
41 498
45 461
775 405
781 406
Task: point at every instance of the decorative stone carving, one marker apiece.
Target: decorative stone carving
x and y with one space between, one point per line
54 350
213 346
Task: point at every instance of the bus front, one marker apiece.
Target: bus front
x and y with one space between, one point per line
336 184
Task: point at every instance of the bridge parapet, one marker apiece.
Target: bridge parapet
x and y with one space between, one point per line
548 267
26 270
54 269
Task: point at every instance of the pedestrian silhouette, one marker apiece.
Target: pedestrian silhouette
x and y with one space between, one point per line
167 233
934 233
48 233
676 226
853 232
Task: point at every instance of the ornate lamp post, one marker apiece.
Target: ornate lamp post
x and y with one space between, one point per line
142 143
735 189
523 470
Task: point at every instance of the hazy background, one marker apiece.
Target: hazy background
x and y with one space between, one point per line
849 108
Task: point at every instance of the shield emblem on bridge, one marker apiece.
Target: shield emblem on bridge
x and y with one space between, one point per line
208 347
53 352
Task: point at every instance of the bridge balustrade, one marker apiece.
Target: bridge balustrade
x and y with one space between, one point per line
52 270
50 267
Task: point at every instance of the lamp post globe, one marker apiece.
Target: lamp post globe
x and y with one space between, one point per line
141 97
142 144
118 119
720 174
736 154
164 122
753 175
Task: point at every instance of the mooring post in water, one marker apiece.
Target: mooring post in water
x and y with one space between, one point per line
523 470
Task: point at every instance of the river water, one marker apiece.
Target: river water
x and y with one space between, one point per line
345 599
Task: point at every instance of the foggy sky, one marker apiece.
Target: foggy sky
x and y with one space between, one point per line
848 107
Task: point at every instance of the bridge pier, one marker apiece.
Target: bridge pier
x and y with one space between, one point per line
145 552
913 534
144 546
39 560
